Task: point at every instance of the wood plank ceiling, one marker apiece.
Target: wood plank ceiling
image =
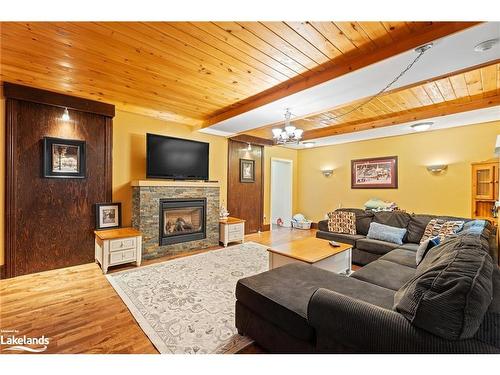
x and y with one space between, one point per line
189 72
472 89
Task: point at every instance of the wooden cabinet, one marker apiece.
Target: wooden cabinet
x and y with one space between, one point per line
231 229
485 189
118 246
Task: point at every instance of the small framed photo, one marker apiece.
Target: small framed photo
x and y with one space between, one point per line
375 173
247 170
63 158
108 215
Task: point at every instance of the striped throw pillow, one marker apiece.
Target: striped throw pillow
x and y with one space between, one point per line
441 228
342 222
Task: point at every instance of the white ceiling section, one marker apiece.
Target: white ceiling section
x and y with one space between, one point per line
444 122
449 54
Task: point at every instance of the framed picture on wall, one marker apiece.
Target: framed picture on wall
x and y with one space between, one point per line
63 158
108 215
247 170
375 173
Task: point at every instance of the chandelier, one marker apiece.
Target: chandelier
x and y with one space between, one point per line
289 135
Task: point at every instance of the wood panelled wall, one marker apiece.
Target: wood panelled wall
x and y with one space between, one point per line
245 200
50 222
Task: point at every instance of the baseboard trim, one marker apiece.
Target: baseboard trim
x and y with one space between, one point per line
267 227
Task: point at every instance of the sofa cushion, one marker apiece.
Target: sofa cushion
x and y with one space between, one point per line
416 227
409 246
442 228
363 219
386 233
401 256
339 237
386 274
451 290
375 246
425 246
282 295
362 258
342 222
397 219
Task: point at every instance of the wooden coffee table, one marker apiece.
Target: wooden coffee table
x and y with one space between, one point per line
314 251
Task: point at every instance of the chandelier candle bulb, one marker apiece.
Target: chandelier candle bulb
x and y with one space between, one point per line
290 134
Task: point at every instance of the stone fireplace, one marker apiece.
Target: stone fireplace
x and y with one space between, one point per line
175 216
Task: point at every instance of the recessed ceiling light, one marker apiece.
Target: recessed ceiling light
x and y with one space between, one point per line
422 126
486 45
308 144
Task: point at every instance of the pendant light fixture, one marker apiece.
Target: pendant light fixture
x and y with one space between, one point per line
289 134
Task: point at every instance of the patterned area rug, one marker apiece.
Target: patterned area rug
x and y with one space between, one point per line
186 305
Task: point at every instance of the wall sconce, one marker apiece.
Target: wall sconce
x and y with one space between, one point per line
65 116
437 168
327 172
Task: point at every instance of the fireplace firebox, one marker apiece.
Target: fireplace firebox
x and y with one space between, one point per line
182 220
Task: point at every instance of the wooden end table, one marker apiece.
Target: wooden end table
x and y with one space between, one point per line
231 229
314 251
118 246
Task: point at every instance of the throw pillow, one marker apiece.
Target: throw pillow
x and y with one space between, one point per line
425 246
342 222
386 233
474 227
441 228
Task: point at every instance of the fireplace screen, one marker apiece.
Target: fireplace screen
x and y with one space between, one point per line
182 220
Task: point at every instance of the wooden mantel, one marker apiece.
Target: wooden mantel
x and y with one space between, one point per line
173 183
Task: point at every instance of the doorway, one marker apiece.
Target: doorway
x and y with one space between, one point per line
281 191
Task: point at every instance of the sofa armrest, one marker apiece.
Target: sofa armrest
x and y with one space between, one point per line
346 324
323 225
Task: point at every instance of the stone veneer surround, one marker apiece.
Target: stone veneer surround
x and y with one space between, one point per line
146 197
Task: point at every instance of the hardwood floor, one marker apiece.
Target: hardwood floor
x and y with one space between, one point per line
79 311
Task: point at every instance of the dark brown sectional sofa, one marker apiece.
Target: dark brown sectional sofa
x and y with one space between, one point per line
449 303
366 250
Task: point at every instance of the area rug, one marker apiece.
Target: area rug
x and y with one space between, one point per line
186 305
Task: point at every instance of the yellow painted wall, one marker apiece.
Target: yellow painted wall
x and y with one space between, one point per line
280 153
419 191
314 194
129 154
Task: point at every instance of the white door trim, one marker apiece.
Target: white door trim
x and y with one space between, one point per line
290 162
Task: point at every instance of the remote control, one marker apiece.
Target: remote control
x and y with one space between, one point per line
334 244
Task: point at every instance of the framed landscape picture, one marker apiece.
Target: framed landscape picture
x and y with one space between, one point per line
63 158
108 215
247 170
375 173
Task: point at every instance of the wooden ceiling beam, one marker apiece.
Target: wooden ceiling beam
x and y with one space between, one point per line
422 113
346 65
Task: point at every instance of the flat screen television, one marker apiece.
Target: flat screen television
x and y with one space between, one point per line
176 158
